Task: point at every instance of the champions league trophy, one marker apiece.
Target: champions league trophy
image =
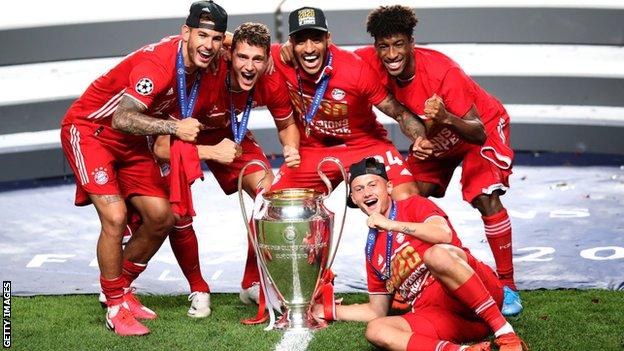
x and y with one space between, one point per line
295 241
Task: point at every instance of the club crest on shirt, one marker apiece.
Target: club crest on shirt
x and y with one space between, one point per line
170 91
338 94
100 176
400 238
144 86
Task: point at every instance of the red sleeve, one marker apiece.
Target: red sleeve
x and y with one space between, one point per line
369 83
457 91
275 94
146 81
369 55
375 285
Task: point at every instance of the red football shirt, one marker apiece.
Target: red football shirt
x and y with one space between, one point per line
437 73
213 104
408 273
345 115
147 75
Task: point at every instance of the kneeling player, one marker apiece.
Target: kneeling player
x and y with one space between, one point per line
413 249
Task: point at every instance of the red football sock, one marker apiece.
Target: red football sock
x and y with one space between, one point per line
418 342
498 233
251 274
185 248
113 290
474 295
130 271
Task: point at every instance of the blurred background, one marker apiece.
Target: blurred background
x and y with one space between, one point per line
557 66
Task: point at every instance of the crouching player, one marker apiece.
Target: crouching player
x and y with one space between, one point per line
413 249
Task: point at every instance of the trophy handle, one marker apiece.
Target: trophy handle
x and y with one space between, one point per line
240 197
333 248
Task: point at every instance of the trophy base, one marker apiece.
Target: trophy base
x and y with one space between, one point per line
299 319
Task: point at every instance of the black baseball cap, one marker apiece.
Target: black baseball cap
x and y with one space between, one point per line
216 12
369 165
305 18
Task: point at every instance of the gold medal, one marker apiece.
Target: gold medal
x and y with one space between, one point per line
307 130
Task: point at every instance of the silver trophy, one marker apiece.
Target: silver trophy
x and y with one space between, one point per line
296 242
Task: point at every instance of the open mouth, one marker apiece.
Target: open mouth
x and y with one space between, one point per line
247 78
311 61
204 55
394 65
370 202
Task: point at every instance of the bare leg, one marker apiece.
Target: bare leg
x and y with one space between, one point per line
389 333
112 212
157 222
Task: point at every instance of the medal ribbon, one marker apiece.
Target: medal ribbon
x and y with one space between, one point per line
320 90
239 129
186 109
370 244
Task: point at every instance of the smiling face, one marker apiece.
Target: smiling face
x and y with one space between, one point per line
371 193
202 46
396 52
310 49
248 63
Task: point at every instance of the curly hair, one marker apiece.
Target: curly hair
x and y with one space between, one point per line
387 21
255 34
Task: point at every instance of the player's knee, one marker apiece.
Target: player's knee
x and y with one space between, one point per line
160 222
439 259
376 332
114 223
488 205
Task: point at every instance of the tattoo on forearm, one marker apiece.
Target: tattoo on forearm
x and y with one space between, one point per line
407 230
129 118
109 199
410 124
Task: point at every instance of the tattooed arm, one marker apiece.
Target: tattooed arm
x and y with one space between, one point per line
130 118
411 125
434 230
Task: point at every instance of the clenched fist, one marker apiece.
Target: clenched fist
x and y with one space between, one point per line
225 152
378 221
187 129
435 109
422 148
291 156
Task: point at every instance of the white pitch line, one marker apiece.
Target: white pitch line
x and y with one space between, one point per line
217 274
294 340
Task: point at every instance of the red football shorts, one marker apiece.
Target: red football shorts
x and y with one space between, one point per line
306 176
106 163
439 315
227 175
484 168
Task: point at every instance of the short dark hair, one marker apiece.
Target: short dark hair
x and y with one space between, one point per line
387 21
255 34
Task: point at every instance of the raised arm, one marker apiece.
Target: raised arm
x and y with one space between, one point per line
434 230
129 118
